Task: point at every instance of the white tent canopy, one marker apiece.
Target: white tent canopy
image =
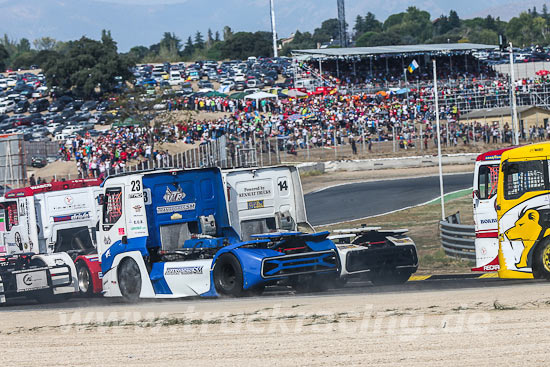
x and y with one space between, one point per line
295 93
260 95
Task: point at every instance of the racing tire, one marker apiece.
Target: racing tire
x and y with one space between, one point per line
390 277
228 276
129 279
541 260
85 283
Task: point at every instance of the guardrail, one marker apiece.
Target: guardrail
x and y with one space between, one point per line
457 239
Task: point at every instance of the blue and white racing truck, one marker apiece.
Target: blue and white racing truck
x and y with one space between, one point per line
166 234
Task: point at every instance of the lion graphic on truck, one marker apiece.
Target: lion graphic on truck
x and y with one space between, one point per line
530 227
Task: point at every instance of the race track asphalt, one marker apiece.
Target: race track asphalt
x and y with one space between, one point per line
364 199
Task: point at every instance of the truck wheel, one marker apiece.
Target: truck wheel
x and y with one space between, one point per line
129 279
85 284
390 277
541 260
228 276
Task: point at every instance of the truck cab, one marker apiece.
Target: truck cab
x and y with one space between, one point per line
523 213
263 200
166 234
485 216
40 228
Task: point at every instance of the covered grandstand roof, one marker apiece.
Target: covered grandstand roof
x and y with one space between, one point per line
393 50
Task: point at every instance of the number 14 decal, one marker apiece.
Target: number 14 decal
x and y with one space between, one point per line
283 186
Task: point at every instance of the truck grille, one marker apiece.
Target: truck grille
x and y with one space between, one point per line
311 262
383 257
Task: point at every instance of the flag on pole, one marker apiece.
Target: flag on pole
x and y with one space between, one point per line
413 66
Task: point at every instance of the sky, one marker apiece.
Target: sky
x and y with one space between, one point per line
142 22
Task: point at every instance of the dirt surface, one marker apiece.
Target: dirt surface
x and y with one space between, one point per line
314 183
467 327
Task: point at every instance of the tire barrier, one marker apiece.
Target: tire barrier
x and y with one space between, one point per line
458 240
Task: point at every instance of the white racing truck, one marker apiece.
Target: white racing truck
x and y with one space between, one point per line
270 199
485 215
43 229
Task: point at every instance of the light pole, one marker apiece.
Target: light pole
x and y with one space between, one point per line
436 97
513 91
275 51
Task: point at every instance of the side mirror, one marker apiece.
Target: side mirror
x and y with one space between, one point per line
124 240
101 199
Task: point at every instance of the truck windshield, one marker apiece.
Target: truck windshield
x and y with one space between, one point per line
522 177
8 216
488 177
112 209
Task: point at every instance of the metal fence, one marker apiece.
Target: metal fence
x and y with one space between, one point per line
457 239
42 149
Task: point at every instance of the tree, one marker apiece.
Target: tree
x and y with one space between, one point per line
24 45
454 20
485 36
217 36
4 55
329 30
545 12
107 40
300 41
169 47
241 45
138 53
199 40
189 48
87 66
227 33
44 43
393 20
371 23
378 39
209 38
359 27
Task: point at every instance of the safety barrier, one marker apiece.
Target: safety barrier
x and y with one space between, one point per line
457 239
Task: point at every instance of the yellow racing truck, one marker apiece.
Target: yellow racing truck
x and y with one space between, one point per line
523 212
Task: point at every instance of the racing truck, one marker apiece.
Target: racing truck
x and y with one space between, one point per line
42 229
523 213
485 215
166 234
270 199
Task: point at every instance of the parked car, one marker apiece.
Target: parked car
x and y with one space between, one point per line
22 106
56 106
39 105
89 106
7 106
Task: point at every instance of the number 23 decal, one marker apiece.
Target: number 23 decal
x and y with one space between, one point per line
136 185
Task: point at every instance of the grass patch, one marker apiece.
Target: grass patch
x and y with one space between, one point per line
423 225
311 173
